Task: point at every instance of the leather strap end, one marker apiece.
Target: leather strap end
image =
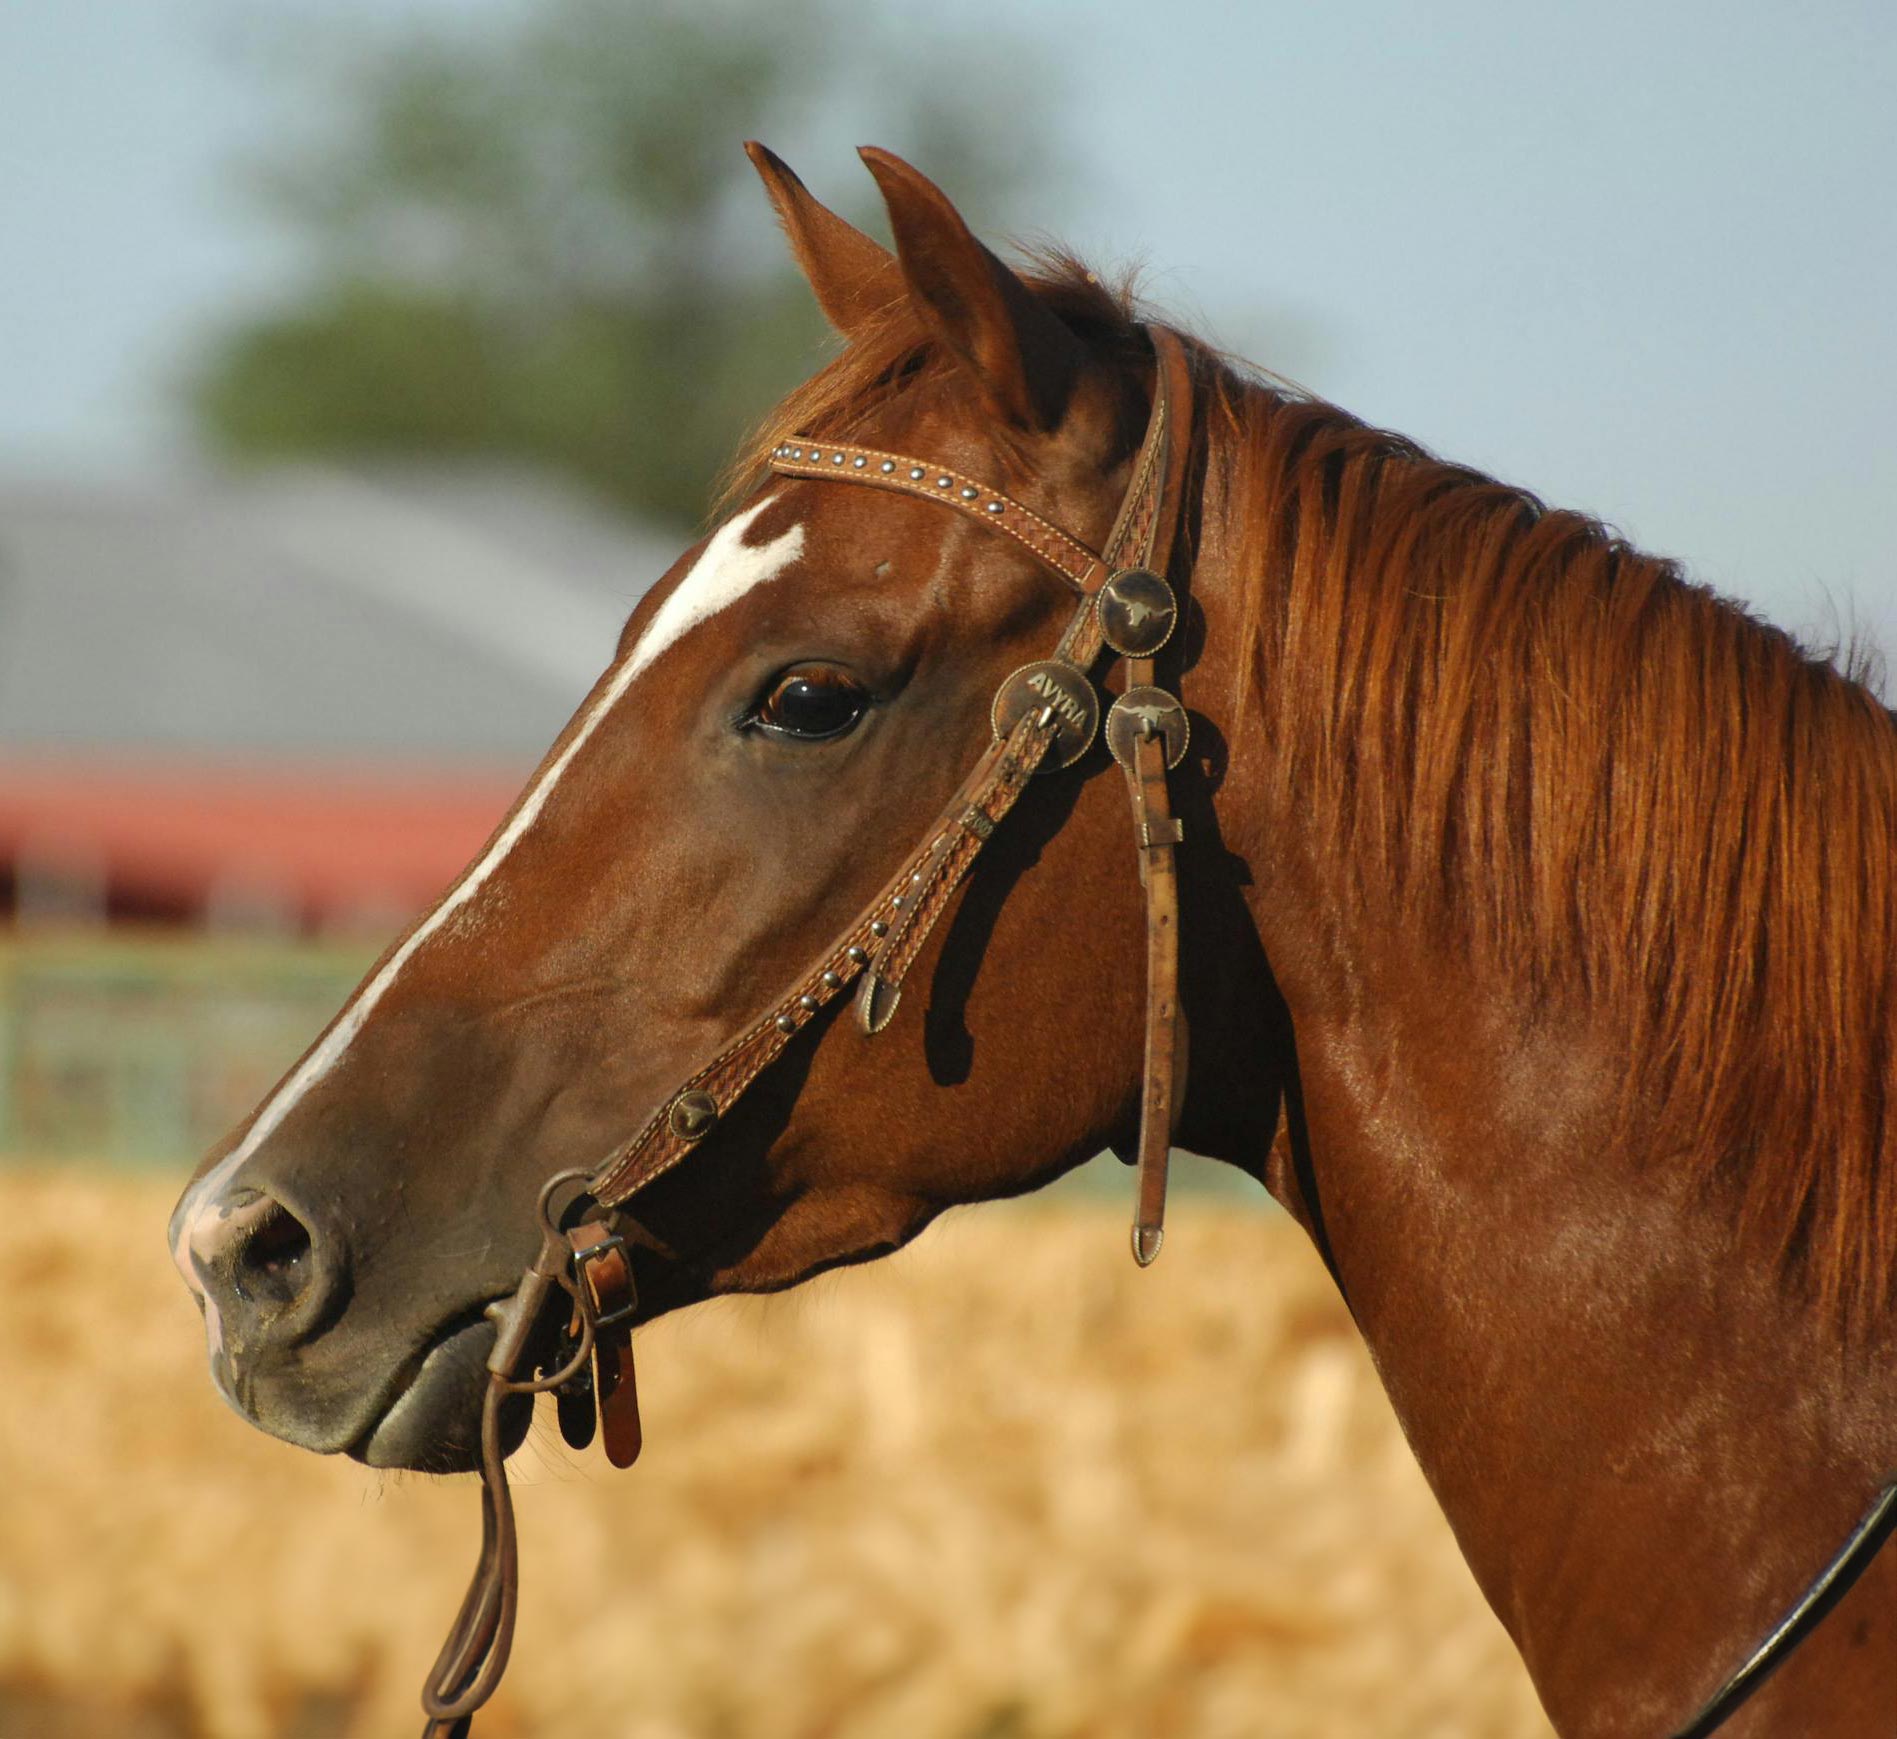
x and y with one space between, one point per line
1165 1045
576 1406
605 1270
620 1428
876 1000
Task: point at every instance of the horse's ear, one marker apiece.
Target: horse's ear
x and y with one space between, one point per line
853 276
1024 359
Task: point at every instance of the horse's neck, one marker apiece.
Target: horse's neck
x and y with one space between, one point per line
1644 1446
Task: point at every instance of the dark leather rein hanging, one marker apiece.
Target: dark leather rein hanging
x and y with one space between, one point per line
1045 717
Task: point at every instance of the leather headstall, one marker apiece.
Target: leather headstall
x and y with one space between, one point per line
1044 718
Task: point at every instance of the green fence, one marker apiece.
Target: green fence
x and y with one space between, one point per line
146 1050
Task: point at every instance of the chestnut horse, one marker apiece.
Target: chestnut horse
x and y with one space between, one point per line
1538 943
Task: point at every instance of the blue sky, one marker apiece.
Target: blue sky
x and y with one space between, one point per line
1640 258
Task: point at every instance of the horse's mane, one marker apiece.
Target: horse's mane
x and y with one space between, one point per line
1509 728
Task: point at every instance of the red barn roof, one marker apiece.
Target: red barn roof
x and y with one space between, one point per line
331 843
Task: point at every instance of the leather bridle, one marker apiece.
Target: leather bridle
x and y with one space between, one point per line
1045 717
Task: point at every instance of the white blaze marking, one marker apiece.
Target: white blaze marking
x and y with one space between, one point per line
727 570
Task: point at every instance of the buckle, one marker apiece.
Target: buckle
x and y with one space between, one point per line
613 1318
592 1252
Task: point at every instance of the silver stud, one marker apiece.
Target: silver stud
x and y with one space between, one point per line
807 1003
857 955
837 458
879 929
796 452
915 474
970 494
833 981
887 466
897 902
945 482
859 462
997 507
917 878
786 1023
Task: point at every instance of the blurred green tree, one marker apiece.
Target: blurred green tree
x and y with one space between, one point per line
519 234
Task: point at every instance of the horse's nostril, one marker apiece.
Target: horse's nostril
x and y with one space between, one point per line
272 1262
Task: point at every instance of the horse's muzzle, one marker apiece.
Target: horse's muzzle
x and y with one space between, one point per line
268 1272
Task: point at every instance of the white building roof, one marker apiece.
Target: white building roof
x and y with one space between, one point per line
423 614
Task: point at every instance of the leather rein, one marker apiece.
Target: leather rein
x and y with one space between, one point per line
1044 718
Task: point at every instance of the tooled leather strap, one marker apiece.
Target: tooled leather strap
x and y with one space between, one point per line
1151 739
839 462
903 912
1163 1061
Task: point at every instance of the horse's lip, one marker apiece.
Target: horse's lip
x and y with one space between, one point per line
406 1430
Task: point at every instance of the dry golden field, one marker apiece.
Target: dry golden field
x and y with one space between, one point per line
1001 1487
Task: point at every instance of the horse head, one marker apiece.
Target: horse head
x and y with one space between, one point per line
785 712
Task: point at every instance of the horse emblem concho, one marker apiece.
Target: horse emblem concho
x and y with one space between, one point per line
1137 612
1054 685
1147 712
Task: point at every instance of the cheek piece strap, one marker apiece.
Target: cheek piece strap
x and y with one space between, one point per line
1045 718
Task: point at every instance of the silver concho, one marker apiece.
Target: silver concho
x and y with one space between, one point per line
1137 611
1052 682
692 1114
1143 711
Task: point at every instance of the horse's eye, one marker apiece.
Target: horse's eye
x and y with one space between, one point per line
811 701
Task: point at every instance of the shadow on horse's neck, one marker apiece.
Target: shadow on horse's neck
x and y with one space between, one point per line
1646 1443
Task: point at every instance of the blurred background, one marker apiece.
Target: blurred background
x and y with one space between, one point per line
360 365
